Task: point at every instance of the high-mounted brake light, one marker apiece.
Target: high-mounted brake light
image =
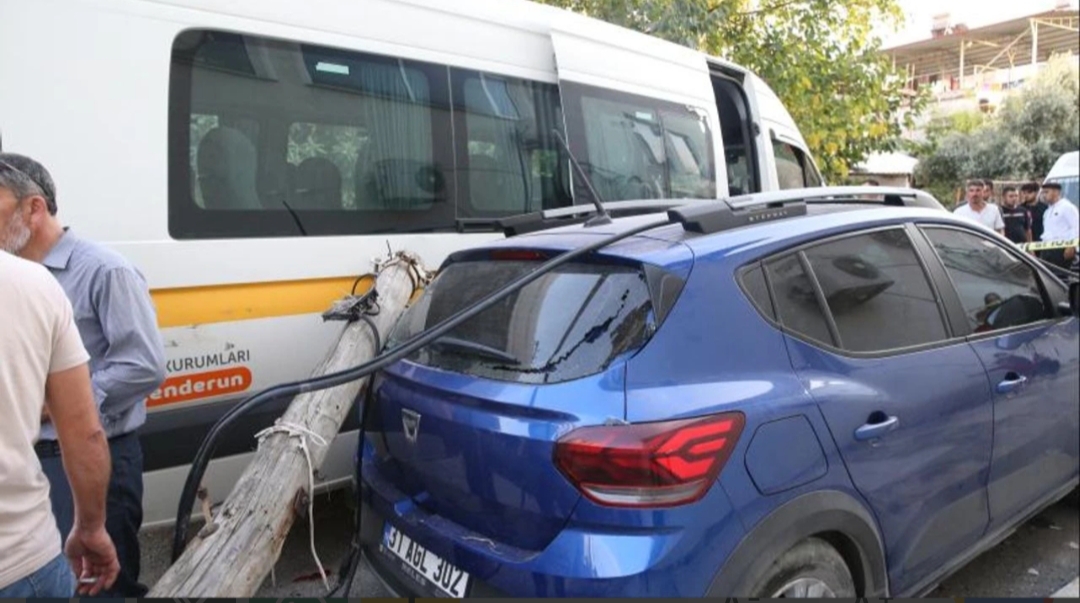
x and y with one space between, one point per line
518 255
649 464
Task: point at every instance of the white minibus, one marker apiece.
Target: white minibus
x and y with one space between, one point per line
252 157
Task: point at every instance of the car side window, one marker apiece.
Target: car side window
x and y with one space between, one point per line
755 287
796 300
997 289
877 291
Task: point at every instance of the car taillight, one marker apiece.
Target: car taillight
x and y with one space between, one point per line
649 464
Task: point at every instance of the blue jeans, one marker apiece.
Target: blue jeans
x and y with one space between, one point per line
54 581
123 509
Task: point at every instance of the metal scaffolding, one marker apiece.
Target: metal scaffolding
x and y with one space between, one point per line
968 61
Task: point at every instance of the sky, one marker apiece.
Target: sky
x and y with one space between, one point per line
973 13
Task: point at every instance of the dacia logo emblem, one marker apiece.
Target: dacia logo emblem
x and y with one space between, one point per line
410 421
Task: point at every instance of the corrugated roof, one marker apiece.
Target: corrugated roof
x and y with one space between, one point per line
986 43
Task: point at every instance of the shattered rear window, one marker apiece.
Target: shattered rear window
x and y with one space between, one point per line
570 323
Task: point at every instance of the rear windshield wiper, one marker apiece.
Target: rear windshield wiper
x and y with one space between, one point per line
478 349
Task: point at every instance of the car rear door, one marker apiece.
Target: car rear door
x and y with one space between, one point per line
1032 356
907 402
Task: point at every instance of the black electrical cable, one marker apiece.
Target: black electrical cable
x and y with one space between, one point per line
351 563
206 449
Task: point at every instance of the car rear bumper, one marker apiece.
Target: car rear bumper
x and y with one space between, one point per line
587 559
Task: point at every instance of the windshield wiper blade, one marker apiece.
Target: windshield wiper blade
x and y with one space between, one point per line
478 349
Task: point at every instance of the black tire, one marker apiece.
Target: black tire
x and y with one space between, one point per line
812 559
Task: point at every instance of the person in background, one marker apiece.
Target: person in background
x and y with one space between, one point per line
118 325
1060 223
988 191
1017 218
43 364
1029 195
977 210
959 197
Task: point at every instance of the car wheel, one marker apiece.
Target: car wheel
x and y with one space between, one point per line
811 569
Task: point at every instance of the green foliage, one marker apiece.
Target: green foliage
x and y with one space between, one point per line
941 126
1045 116
818 55
1030 131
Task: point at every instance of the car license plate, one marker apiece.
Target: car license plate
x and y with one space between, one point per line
423 565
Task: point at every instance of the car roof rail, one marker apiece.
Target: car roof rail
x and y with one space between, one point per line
743 210
884 195
579 214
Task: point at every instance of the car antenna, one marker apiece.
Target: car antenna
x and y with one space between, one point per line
601 216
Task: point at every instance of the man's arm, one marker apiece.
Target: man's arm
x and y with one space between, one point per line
1074 228
69 402
999 222
85 453
134 365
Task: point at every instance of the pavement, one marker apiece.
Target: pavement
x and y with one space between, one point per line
1071 589
1042 559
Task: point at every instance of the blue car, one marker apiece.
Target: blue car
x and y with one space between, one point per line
787 394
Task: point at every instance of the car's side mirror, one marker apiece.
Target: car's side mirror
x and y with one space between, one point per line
1073 308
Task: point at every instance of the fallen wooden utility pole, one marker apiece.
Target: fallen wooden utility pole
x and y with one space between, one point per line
232 556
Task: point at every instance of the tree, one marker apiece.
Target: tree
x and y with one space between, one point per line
818 55
1033 127
940 126
1045 115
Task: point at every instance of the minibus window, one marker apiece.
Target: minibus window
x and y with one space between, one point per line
322 164
689 157
505 145
636 147
793 168
274 138
200 125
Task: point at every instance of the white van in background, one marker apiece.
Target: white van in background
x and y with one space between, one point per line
1066 172
252 157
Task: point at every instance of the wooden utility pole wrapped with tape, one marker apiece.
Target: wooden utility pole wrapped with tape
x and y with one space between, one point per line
236 551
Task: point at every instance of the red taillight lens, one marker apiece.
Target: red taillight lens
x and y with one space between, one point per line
649 464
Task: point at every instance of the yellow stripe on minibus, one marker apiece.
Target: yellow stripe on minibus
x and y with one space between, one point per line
188 306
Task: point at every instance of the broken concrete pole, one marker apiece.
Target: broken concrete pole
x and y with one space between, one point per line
233 556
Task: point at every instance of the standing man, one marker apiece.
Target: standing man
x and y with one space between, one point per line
1016 217
118 325
1060 223
43 364
977 210
988 191
1029 195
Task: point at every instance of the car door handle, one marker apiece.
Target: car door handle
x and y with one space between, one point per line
1011 383
878 428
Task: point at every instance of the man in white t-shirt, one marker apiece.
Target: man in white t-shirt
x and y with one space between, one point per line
978 210
43 364
1061 222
